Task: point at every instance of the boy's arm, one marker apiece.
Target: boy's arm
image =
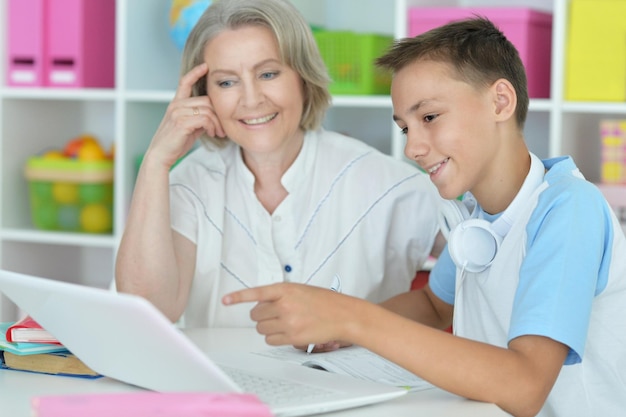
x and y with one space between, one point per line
518 378
423 306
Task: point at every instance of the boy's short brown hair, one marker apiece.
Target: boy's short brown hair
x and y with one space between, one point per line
477 50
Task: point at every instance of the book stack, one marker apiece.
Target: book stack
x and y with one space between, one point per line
26 346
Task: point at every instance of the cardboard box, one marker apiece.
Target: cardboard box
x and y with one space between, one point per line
529 30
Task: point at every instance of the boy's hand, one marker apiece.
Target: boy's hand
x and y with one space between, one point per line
326 347
294 314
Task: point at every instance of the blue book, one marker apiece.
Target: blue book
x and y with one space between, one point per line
22 348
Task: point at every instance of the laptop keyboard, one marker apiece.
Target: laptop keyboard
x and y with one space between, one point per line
274 391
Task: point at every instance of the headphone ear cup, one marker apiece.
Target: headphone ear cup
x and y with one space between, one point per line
451 214
473 245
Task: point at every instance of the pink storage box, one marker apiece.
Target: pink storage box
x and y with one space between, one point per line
529 30
80 44
61 43
25 46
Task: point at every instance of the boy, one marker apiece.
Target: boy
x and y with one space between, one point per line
534 274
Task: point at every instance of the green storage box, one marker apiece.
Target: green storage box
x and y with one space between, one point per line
350 57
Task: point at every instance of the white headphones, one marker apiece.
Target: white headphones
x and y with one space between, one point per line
472 241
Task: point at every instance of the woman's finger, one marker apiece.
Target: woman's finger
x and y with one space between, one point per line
211 124
201 110
187 81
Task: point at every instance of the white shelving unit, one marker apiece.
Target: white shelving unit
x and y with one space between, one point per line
147 65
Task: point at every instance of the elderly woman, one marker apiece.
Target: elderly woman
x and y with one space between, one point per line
270 196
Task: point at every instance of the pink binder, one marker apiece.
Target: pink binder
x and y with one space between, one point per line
80 43
25 46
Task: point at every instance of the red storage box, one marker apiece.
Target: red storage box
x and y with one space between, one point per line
529 30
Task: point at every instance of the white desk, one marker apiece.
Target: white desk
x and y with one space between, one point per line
16 388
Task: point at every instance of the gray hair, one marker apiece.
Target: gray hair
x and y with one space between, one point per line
297 47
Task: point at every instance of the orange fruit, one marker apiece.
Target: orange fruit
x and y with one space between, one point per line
86 138
73 146
91 151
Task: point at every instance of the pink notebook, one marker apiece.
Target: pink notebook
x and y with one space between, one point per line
150 403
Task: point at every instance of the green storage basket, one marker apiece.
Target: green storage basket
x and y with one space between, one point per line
71 195
350 57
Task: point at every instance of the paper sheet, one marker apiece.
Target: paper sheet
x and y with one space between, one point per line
355 361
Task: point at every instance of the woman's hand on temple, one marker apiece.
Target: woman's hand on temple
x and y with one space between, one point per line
185 119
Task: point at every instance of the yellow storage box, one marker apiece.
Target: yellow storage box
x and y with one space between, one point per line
596 51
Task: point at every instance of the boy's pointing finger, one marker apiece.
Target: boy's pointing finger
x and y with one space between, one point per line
265 293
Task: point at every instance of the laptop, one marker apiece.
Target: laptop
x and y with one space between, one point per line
125 337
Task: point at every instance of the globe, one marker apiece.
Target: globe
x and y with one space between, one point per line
184 14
